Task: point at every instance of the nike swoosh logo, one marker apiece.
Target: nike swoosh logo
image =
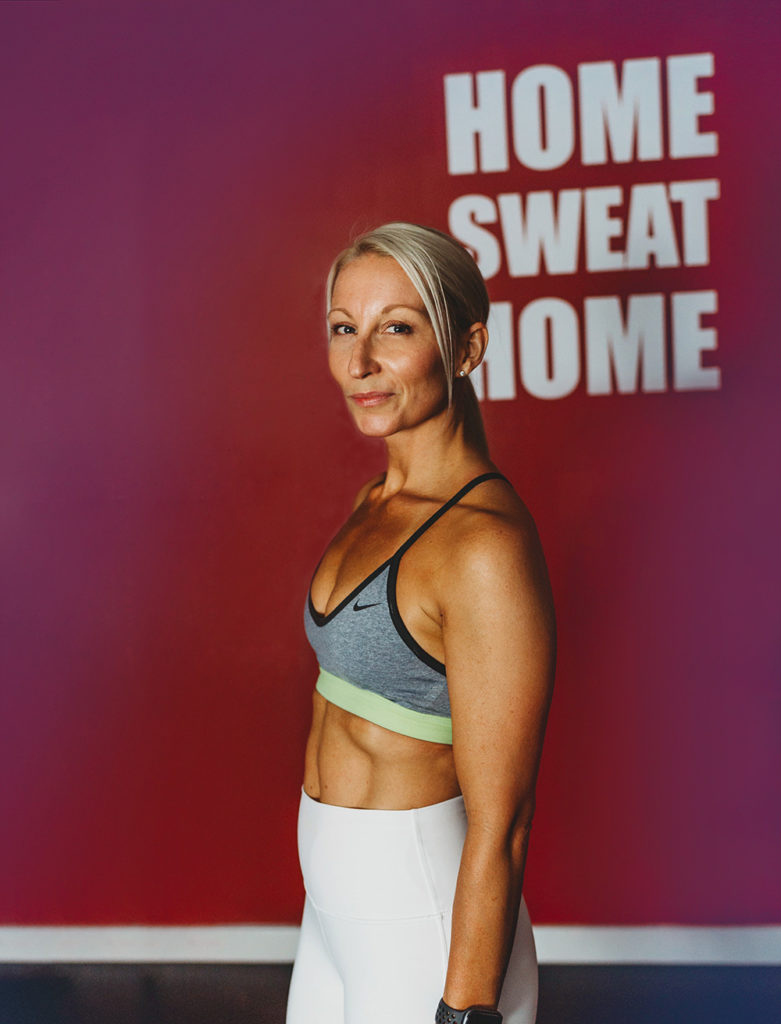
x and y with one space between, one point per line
360 607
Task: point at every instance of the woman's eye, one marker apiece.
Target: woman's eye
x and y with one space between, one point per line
342 329
399 328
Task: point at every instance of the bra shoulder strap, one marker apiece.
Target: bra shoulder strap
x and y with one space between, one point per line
448 504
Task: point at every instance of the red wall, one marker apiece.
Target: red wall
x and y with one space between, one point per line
177 180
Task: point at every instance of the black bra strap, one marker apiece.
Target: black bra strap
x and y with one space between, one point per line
448 504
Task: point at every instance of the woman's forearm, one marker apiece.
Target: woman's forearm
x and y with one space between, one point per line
485 913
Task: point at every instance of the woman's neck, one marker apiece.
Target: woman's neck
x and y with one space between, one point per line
434 456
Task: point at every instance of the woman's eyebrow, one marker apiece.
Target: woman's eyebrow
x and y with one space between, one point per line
384 311
415 309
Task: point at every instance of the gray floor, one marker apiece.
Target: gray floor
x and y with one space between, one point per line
248 994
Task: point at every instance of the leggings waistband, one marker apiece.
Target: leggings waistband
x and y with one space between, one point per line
381 864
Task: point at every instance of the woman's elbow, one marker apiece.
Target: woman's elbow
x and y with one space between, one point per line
506 832
520 827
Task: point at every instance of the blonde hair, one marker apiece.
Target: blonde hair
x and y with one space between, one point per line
444 274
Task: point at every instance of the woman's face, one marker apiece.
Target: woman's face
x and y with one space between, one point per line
382 349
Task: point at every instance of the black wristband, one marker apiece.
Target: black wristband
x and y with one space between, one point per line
471 1015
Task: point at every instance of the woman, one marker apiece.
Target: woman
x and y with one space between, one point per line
432 619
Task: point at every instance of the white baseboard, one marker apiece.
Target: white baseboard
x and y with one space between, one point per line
658 944
270 944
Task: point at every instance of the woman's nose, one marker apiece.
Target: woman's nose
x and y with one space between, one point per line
362 360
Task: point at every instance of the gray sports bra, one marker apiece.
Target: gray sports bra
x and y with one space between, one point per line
370 664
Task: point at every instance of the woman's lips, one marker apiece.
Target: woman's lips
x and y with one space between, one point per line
365 398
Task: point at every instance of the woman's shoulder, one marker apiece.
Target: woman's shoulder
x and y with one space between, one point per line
492 508
492 536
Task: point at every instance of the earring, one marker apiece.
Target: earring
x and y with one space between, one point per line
462 373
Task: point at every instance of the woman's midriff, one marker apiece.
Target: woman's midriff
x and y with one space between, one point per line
351 762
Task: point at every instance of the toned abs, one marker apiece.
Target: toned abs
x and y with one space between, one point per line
351 762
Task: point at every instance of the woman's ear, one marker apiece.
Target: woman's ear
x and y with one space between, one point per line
473 349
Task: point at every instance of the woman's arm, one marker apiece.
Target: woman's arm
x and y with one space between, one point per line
499 636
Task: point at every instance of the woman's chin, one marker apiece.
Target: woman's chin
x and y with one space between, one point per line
385 425
379 427
373 421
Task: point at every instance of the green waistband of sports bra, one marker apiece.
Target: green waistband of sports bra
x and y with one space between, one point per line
381 711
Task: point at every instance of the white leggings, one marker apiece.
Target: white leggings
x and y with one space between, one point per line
375 934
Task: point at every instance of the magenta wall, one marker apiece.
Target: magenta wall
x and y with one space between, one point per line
176 180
